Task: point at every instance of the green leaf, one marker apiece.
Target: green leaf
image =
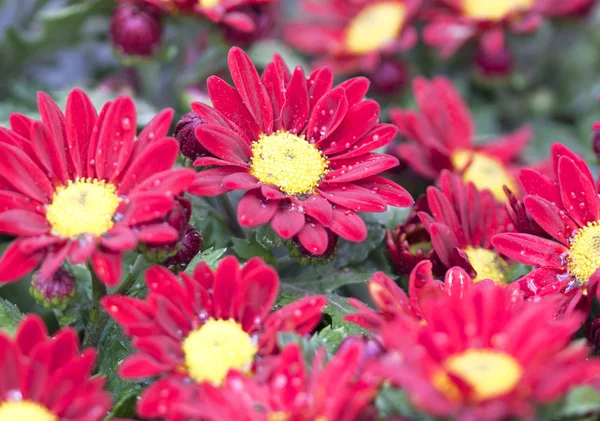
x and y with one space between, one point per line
354 253
262 53
327 338
517 271
391 401
581 401
10 316
114 349
210 256
268 238
248 248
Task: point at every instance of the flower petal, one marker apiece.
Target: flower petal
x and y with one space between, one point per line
226 287
319 83
352 197
108 267
327 115
146 207
317 207
259 289
578 193
531 250
19 222
157 234
287 222
353 169
356 89
26 177
537 184
120 238
15 264
210 182
392 193
509 147
224 143
80 116
358 121
347 224
49 152
314 238
240 181
157 129
551 218
296 107
379 136
254 210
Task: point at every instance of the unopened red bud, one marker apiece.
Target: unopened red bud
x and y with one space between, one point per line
390 77
54 292
136 29
185 133
190 246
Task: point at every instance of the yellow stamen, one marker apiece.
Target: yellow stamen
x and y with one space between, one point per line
278 416
217 347
375 26
85 206
494 9
289 162
584 253
488 372
25 411
208 4
484 171
487 264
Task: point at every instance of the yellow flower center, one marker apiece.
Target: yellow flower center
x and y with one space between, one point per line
487 264
278 416
494 9
25 411
375 26
217 347
86 206
207 4
289 162
484 171
490 374
584 253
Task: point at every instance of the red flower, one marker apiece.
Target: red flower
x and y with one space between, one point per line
461 223
136 29
353 35
441 136
79 186
213 322
458 21
226 12
338 390
568 210
485 353
48 379
301 148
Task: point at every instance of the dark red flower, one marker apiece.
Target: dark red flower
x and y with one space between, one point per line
353 35
48 379
190 246
441 136
461 223
302 150
456 22
390 77
337 390
484 353
136 29
56 291
265 17
568 210
199 329
185 133
81 186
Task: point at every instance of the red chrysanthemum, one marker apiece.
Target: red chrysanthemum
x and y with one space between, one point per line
484 353
212 322
456 22
81 186
461 223
337 390
48 379
568 210
301 148
441 136
227 12
353 35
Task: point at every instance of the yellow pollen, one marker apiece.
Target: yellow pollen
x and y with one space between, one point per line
278 416
25 411
289 162
86 206
207 4
494 9
584 253
488 372
217 347
375 26
487 264
484 171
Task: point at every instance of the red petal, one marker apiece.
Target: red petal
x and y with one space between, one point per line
254 210
443 241
157 129
53 261
115 141
379 136
21 125
80 117
537 184
31 332
319 83
272 79
240 181
214 117
327 115
147 207
224 143
352 197
356 89
54 121
82 249
551 218
558 150
360 167
509 147
258 293
317 207
392 193
158 234
287 222
139 366
90 164
20 222
13 200
347 224
578 193
531 250
108 267
226 286
314 238
210 182
296 107
26 177
120 238
170 182
15 264
358 121
49 152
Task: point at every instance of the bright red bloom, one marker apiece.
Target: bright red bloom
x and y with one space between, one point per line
337 390
301 148
441 136
353 35
48 379
213 322
79 186
568 210
456 22
226 12
485 353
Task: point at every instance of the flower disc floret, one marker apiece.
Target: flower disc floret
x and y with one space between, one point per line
584 253
25 411
83 206
488 264
375 26
494 9
289 162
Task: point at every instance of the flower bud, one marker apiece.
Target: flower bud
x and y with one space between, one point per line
596 143
390 77
136 29
54 292
496 64
190 246
185 133
303 256
263 18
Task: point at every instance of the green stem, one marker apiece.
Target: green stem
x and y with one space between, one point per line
233 223
98 317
